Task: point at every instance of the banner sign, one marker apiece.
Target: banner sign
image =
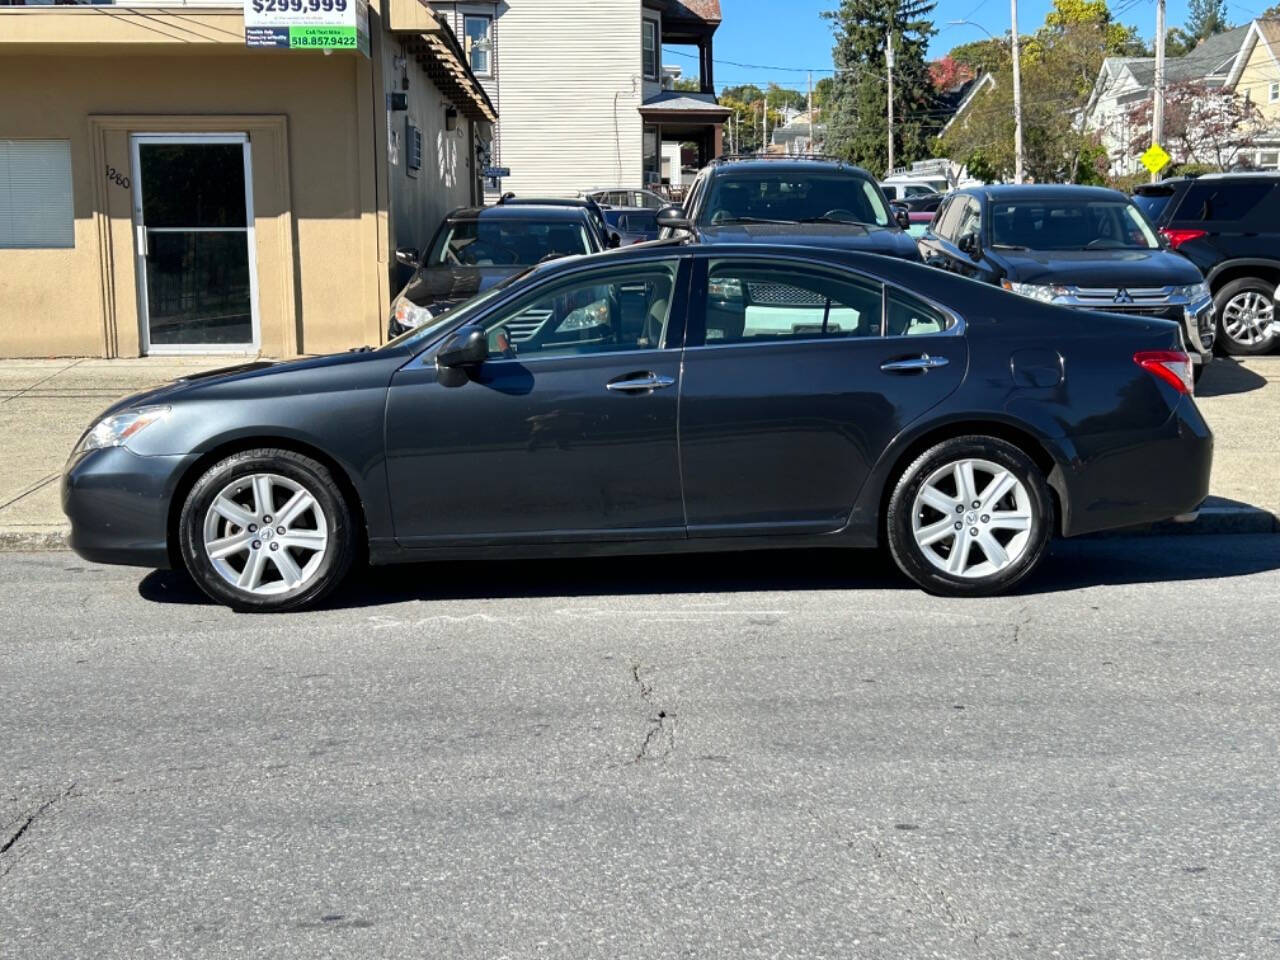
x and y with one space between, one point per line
307 24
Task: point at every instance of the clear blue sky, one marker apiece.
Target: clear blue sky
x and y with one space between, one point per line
792 33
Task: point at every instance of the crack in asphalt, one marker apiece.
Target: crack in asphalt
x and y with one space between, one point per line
25 822
660 741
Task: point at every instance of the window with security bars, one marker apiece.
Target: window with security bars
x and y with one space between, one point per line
35 194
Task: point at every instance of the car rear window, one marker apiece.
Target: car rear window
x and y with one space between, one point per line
1223 200
1152 203
790 197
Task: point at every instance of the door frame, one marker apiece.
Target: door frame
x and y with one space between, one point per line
139 242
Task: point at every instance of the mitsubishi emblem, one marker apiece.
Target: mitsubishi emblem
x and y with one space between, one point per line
1122 296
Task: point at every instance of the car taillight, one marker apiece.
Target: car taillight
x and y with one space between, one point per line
1171 366
1177 238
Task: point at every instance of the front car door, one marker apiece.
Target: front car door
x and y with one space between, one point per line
938 236
796 377
567 431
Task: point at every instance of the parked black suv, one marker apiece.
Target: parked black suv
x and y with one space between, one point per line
813 201
475 248
1083 247
1228 225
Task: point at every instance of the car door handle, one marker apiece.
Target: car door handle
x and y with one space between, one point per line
922 362
641 383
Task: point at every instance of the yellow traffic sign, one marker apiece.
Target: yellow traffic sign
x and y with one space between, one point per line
1155 158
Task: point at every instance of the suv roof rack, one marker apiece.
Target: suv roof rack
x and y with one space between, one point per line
736 157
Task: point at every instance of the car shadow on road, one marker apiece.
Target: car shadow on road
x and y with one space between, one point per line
1226 376
1071 565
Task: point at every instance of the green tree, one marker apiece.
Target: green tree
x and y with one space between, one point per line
1059 71
823 91
744 92
1206 18
982 56
857 126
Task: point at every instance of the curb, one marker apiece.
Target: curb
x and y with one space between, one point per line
1212 521
31 539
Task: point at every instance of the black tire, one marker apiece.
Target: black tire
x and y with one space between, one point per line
1225 295
910 556
316 479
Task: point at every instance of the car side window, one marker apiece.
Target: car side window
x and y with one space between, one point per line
905 316
601 313
970 220
949 219
1219 200
758 302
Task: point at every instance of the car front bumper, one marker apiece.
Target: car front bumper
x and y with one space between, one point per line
118 505
1130 478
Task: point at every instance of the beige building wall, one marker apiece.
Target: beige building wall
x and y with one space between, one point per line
447 178
316 219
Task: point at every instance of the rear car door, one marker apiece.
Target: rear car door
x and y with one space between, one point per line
567 432
791 389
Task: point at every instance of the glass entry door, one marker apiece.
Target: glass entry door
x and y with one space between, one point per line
193 226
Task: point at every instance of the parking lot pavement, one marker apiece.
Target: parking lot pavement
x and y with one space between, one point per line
744 756
1241 401
46 404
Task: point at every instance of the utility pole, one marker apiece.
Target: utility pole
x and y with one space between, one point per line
811 123
1018 160
1157 107
888 59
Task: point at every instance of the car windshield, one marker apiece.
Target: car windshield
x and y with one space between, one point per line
514 242
1070 225
457 314
794 198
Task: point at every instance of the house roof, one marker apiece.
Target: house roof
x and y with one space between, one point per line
1268 31
1210 61
682 102
705 10
984 82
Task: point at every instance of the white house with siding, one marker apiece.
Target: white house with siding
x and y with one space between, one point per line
579 88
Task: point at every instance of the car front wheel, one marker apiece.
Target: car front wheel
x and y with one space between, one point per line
971 516
1246 317
266 531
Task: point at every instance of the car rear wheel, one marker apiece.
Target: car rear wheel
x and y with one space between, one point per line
971 516
1246 312
266 531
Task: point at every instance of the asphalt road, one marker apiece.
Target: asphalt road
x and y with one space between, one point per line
757 755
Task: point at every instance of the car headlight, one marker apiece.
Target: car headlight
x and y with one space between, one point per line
408 314
1044 292
114 430
1193 292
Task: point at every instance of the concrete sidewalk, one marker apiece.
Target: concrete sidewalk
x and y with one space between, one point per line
46 404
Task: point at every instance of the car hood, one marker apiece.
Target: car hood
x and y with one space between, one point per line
177 389
1099 268
842 236
448 285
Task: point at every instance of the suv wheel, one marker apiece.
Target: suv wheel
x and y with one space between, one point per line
1246 312
266 530
971 516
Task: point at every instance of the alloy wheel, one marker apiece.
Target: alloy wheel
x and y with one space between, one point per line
972 518
265 534
1247 317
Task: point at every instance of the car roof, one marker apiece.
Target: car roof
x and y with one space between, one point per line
520 211
727 166
1042 191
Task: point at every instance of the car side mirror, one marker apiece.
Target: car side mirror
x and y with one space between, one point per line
466 347
969 244
900 215
673 218
407 255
